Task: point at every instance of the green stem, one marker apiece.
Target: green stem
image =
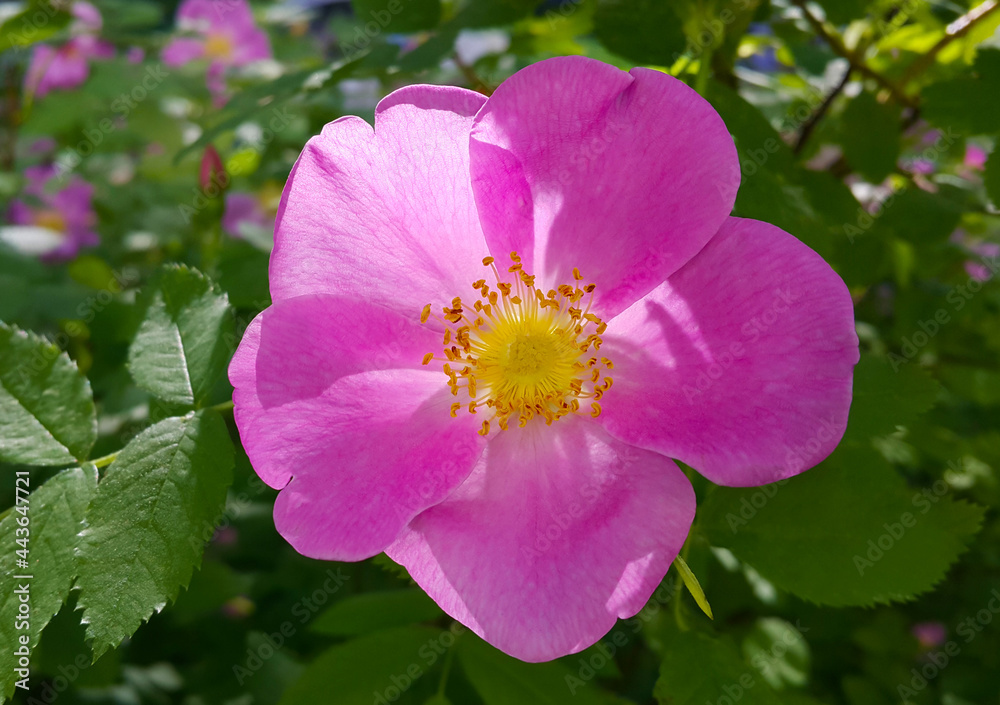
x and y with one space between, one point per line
447 669
104 460
704 71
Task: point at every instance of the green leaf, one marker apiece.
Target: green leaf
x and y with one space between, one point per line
398 15
643 31
871 136
385 662
36 23
46 406
154 510
698 669
887 395
502 680
181 348
847 532
55 514
374 611
693 586
779 652
967 104
920 217
991 178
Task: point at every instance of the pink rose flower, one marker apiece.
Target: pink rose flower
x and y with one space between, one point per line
61 215
506 432
223 32
68 66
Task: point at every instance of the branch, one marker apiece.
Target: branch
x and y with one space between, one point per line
857 63
814 119
956 30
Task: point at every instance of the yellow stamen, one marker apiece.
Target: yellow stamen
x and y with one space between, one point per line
530 354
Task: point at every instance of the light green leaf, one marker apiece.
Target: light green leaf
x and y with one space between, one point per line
55 515
778 652
182 346
46 406
24 29
693 586
356 672
147 525
373 611
502 680
847 532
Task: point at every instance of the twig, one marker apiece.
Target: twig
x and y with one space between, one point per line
956 30
857 63
810 124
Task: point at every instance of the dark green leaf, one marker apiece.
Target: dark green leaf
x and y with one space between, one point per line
847 532
502 680
398 15
181 348
370 612
146 528
383 664
643 31
55 514
46 406
698 669
871 136
887 395
992 177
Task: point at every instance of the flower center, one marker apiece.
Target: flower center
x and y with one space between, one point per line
522 353
218 46
50 219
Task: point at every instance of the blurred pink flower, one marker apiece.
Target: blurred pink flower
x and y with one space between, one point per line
244 209
526 479
68 66
975 157
65 213
223 32
930 634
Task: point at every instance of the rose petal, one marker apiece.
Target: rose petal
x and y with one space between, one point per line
388 213
624 175
558 531
741 363
332 404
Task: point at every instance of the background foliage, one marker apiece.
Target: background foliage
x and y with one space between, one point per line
867 128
